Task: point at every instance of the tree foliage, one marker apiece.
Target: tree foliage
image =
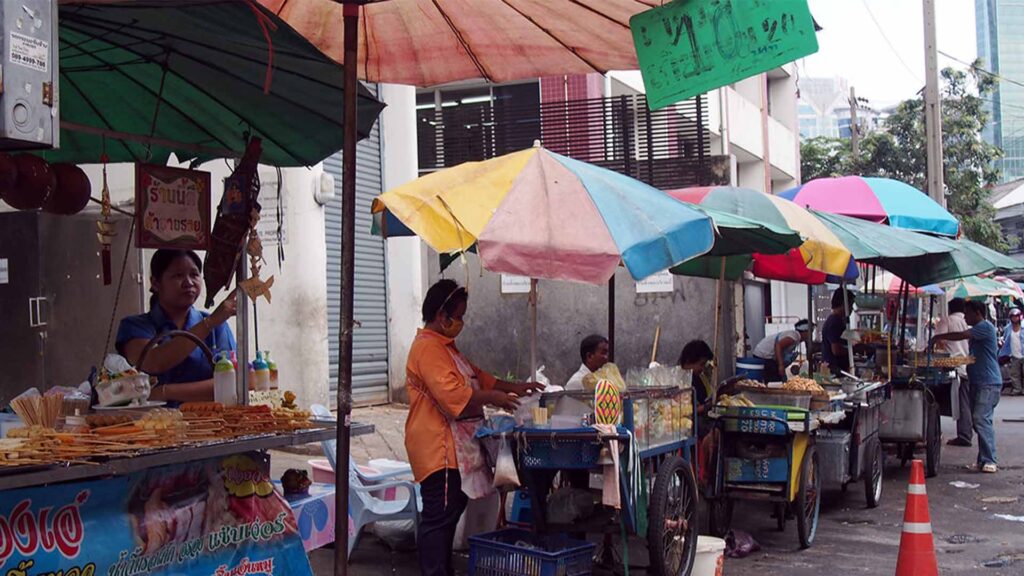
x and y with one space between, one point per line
899 152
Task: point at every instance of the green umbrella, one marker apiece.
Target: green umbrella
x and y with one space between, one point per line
966 258
144 79
873 243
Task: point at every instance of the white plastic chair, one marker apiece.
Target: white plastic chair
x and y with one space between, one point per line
330 448
363 507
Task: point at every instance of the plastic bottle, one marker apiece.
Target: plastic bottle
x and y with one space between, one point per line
273 369
261 373
224 381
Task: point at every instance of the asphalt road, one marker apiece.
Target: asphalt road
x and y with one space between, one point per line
854 540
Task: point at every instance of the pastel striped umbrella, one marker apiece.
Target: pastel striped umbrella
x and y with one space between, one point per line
539 214
821 251
881 200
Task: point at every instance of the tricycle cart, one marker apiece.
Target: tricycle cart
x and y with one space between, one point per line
912 417
658 492
851 450
767 454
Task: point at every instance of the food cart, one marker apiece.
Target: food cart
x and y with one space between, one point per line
658 492
919 397
851 450
766 452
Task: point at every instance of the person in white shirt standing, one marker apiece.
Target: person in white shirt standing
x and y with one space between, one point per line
955 322
594 354
1012 351
779 350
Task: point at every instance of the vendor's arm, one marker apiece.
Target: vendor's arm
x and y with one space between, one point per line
952 336
781 346
489 382
449 388
174 351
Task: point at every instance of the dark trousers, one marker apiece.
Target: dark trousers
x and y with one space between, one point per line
965 423
772 371
436 536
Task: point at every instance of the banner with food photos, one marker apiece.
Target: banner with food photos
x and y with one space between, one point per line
220 517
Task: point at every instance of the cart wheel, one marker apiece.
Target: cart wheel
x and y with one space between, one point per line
873 473
808 499
720 512
933 447
781 510
672 528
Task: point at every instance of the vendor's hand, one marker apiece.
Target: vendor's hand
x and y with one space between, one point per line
503 400
227 309
524 388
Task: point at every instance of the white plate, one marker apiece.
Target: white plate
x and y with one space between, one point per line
146 406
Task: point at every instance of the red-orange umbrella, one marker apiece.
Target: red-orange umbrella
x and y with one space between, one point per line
430 42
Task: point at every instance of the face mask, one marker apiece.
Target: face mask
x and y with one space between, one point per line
452 330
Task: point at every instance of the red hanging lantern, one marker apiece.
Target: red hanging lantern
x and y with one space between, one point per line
72 193
34 184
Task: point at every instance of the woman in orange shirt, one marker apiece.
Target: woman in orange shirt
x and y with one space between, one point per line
447 394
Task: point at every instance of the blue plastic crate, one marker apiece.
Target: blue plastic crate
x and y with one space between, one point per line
553 450
515 552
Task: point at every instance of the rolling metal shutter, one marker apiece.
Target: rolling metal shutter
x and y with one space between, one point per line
370 345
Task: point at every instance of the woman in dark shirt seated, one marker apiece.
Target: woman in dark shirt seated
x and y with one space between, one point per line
183 373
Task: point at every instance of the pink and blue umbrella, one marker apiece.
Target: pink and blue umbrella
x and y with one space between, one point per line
881 200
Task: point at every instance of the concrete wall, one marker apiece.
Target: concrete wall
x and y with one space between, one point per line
497 333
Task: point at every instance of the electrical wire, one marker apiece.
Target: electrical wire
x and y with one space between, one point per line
891 47
973 66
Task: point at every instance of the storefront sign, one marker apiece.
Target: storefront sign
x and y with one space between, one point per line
514 284
688 47
172 208
660 283
219 517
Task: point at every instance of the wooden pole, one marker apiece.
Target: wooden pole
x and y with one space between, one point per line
718 319
533 329
611 319
347 322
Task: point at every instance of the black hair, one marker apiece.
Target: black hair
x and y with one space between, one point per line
589 345
444 293
162 260
837 298
957 305
695 351
978 307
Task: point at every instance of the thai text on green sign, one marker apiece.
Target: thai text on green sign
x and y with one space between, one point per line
688 47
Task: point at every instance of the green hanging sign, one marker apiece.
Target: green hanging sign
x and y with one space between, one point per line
688 47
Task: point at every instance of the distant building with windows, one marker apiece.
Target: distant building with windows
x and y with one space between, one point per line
824 109
1000 36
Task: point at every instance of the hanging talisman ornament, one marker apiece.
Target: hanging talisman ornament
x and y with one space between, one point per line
105 228
253 286
235 221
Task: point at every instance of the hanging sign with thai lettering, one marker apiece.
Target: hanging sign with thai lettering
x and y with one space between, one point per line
172 208
688 47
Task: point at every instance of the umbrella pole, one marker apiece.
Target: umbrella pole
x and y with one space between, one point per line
718 316
533 329
846 308
611 319
348 233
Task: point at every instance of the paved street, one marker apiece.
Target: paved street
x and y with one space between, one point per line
851 539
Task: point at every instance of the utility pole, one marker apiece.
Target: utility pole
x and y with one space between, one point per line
932 108
854 126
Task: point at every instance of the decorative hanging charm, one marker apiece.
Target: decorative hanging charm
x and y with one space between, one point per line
253 286
105 228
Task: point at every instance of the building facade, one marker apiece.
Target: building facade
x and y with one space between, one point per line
1000 36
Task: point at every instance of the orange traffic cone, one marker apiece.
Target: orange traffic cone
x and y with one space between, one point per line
917 550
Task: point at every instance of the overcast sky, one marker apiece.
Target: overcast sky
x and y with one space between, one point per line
852 46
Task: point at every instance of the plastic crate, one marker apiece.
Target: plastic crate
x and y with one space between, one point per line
515 552
554 450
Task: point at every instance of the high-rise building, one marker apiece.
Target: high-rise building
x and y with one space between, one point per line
1000 34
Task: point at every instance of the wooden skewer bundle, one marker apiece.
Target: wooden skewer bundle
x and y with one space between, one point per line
39 410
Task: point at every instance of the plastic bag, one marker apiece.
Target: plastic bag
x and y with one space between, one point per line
505 475
608 372
399 535
739 544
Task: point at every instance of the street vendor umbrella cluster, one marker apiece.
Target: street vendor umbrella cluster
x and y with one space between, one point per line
142 80
539 214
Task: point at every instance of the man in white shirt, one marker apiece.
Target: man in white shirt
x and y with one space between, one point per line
955 322
594 354
779 350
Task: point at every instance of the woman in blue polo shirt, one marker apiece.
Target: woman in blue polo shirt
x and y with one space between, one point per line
183 373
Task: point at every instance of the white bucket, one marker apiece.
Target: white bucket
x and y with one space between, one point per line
710 556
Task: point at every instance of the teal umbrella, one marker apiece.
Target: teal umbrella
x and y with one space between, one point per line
965 258
141 80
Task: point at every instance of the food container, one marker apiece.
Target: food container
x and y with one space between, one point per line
123 390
